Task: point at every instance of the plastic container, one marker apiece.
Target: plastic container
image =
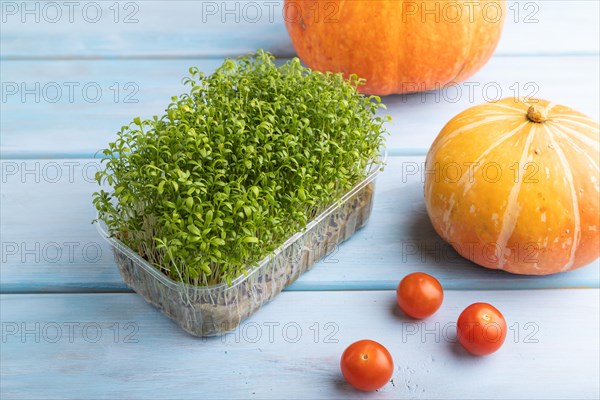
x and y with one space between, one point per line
216 309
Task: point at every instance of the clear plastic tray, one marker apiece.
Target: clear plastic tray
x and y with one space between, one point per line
216 309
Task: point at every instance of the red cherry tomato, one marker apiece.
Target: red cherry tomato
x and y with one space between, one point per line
367 365
419 295
481 329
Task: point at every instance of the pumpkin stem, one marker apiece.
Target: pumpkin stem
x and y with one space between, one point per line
537 114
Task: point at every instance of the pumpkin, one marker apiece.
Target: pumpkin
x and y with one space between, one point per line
397 46
514 185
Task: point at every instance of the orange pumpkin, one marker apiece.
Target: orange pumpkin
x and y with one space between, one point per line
514 185
397 46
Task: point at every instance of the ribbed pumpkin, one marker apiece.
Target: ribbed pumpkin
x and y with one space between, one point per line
397 46
514 185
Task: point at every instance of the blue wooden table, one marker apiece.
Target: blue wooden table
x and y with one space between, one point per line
73 74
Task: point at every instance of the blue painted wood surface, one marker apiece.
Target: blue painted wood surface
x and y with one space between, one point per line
190 29
121 347
549 49
109 93
71 257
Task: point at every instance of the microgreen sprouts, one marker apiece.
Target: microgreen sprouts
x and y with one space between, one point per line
236 166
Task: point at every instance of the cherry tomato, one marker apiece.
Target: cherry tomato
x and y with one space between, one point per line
367 365
481 329
419 295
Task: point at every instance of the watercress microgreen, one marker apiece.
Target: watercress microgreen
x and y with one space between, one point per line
236 165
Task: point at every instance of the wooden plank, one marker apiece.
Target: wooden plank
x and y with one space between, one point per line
74 119
192 29
143 29
418 118
49 244
557 23
120 347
